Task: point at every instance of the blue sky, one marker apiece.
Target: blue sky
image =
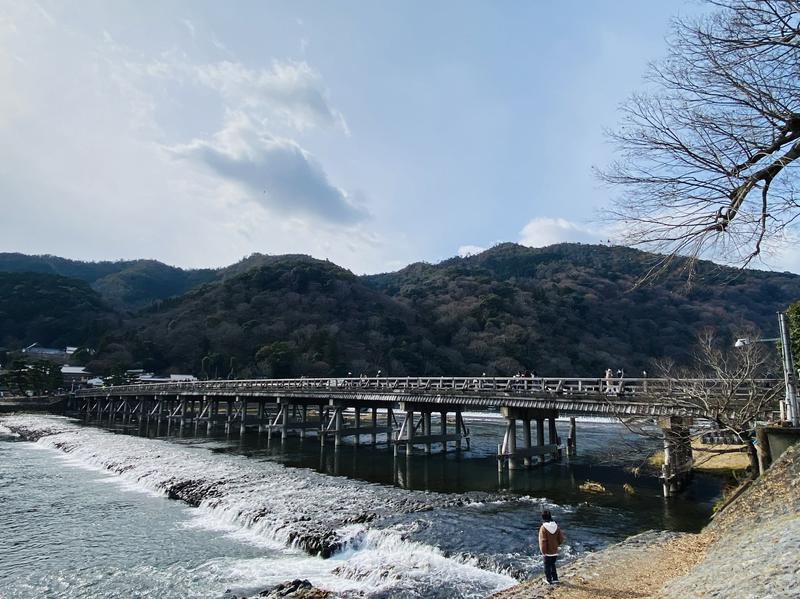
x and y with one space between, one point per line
374 134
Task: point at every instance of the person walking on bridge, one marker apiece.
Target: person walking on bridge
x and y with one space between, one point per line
550 538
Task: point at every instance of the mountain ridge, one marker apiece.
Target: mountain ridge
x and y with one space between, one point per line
565 309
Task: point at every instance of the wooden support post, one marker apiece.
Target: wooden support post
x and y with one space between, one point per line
303 420
667 481
459 428
322 424
677 454
285 423
409 426
260 415
511 446
540 436
339 425
389 423
183 412
443 430
426 430
243 425
358 425
553 435
374 426
273 423
526 440
572 438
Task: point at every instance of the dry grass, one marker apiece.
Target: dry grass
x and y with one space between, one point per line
707 460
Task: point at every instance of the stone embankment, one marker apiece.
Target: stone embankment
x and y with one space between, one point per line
749 551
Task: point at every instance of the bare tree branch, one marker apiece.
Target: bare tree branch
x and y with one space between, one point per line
721 125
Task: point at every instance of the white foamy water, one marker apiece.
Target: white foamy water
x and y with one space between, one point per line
7 431
281 511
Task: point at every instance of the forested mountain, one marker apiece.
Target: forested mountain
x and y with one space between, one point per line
573 307
286 316
125 284
51 309
566 309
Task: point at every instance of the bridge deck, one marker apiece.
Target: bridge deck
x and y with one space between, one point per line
576 396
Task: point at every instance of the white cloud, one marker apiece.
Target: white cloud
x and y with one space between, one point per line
290 92
470 250
190 27
277 173
541 231
84 174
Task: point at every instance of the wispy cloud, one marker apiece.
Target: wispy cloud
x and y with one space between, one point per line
542 231
290 92
190 27
277 173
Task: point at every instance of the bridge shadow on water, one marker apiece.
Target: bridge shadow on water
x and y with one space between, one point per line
608 454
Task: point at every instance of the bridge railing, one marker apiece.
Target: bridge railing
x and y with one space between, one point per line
633 389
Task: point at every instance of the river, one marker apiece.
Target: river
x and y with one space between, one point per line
85 512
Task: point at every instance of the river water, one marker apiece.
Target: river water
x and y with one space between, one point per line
84 511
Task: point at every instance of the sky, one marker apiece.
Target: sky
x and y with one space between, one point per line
373 134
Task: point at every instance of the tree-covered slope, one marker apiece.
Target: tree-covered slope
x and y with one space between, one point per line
52 310
572 308
567 309
125 284
289 316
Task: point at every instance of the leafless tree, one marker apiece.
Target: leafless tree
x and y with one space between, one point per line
728 389
707 155
744 387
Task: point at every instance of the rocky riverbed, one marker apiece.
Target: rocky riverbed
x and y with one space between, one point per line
749 551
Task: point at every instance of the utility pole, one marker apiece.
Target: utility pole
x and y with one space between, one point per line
788 372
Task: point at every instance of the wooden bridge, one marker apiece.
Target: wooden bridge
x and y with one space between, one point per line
339 408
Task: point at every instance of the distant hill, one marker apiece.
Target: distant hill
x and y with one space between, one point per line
132 284
286 316
572 308
566 309
50 309
125 284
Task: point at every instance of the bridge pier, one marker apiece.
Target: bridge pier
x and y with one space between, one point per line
336 425
509 455
572 438
407 437
677 467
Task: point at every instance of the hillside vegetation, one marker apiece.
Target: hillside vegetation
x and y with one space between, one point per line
566 309
125 284
57 310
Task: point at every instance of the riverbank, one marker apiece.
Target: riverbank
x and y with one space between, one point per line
710 458
748 551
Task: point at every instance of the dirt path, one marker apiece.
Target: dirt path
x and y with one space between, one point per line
637 568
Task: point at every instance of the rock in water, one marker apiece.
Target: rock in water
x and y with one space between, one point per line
295 589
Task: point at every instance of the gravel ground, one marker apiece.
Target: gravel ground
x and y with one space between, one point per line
749 551
637 567
757 552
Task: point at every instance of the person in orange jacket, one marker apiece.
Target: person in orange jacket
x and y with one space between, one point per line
550 538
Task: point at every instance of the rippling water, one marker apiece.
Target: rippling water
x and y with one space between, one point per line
70 528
